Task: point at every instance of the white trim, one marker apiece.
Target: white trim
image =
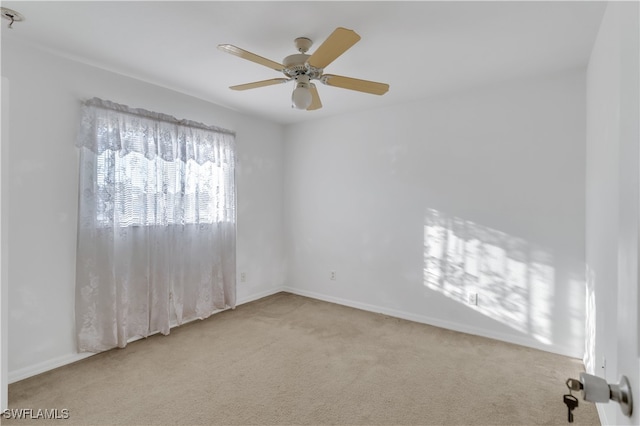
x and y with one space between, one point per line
602 414
32 370
4 283
42 367
463 328
260 295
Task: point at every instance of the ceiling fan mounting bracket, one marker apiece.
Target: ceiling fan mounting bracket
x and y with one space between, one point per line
303 44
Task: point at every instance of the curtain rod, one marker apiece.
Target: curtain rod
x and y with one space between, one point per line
100 103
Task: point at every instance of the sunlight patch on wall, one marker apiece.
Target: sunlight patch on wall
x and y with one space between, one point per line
514 279
590 326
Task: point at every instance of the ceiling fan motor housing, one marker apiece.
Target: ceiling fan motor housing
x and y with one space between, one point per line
296 65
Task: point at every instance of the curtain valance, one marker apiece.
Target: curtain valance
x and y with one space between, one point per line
107 125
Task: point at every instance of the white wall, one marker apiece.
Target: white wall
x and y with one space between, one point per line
612 204
46 91
507 159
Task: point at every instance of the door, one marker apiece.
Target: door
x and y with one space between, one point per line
628 350
613 206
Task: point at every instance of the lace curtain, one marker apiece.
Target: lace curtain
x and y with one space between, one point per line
157 223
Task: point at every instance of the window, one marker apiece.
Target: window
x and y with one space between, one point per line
157 192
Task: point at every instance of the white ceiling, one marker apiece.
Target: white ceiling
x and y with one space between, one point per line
418 48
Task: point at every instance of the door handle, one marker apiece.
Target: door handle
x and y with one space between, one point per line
596 389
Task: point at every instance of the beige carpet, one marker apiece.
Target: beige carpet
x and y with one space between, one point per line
288 359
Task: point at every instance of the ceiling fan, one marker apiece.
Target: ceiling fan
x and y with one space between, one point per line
303 68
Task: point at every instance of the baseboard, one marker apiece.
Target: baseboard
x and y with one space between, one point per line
260 295
42 367
437 322
32 370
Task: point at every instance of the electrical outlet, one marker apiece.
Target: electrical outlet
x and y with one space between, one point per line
243 277
332 275
472 298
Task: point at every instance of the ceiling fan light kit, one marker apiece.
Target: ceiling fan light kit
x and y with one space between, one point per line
301 96
302 68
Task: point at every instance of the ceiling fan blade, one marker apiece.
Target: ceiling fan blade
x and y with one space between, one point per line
244 54
256 84
315 98
340 40
355 84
